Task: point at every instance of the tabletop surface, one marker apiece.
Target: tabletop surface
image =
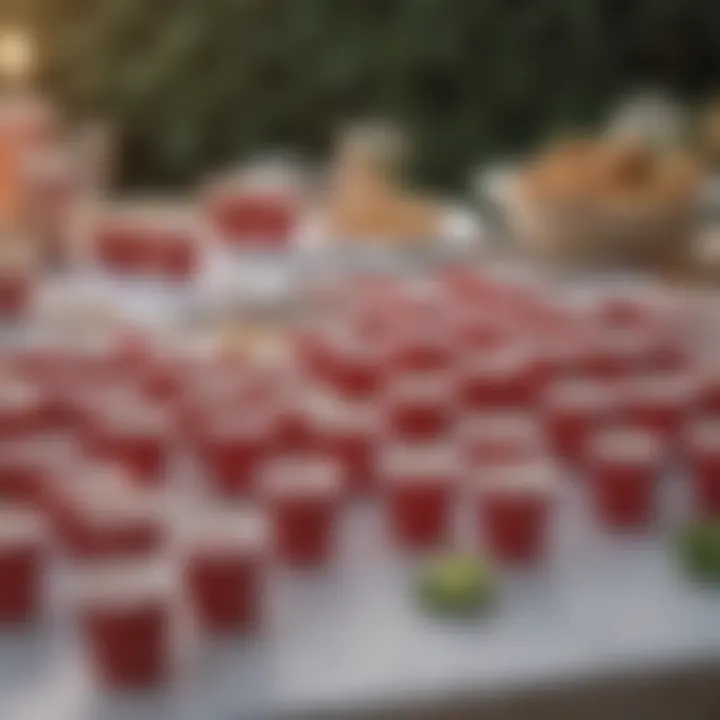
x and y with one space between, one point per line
351 636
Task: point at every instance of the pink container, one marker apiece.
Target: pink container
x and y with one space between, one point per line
660 403
22 472
22 549
513 508
127 613
233 448
352 368
418 486
175 255
421 405
624 466
348 432
703 455
252 211
616 353
506 379
16 293
573 411
501 438
22 409
104 516
303 498
225 568
480 330
708 400
132 434
420 347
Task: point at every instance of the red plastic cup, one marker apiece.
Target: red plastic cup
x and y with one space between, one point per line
251 217
303 497
501 438
659 403
233 448
616 353
480 330
420 406
418 485
708 400
22 409
703 454
420 347
16 292
22 549
572 411
224 570
134 435
105 516
175 255
126 612
624 465
348 432
504 379
22 471
120 245
513 505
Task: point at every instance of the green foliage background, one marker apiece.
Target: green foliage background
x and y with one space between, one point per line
194 84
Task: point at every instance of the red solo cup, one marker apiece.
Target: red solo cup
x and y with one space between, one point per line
418 347
303 495
21 471
616 353
355 368
708 400
22 409
509 378
420 405
703 451
624 465
126 611
22 540
418 484
175 254
476 329
501 438
104 516
120 246
233 448
513 506
572 411
16 290
660 403
224 570
135 436
348 434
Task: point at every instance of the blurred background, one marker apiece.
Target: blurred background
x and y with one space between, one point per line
191 85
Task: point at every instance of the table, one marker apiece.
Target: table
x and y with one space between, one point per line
352 639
